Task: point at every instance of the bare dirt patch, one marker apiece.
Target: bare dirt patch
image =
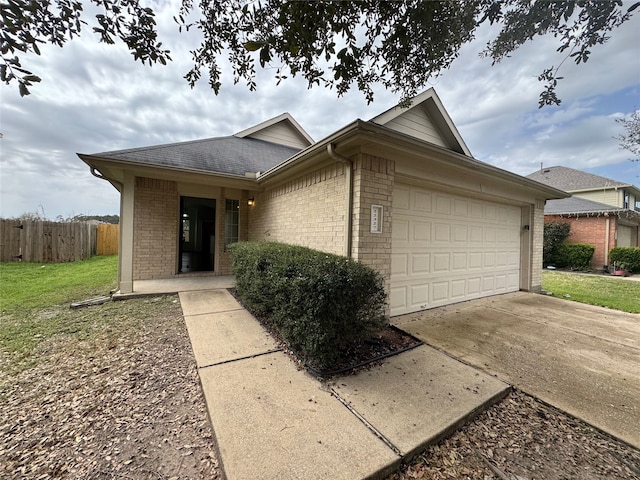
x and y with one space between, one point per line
123 403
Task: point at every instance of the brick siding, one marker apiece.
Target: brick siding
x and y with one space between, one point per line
308 210
155 237
373 185
591 230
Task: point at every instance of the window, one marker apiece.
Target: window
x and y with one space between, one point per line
231 221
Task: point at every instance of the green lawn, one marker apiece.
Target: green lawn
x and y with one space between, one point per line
601 290
35 299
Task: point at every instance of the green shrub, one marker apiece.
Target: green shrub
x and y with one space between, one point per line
321 304
555 233
627 257
576 256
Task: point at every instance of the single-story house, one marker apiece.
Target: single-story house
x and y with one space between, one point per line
400 192
602 212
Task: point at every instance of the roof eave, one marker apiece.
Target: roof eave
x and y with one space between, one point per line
96 161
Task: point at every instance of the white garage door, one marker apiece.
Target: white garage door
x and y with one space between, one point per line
448 248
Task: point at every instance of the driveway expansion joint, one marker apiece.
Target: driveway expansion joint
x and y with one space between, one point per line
216 312
246 357
366 423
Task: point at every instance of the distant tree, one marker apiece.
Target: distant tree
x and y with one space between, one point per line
37 215
114 219
336 44
630 140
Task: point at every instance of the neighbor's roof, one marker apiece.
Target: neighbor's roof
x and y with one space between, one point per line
228 155
577 205
572 180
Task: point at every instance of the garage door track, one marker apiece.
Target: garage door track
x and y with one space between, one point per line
582 359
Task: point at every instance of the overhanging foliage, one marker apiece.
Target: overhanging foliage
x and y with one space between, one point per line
335 44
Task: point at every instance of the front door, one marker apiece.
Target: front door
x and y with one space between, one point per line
197 234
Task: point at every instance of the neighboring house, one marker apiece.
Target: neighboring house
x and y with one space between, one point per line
400 192
602 212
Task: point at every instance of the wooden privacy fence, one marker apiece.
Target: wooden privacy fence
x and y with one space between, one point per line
107 241
43 242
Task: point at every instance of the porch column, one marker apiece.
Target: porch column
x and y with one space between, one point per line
125 256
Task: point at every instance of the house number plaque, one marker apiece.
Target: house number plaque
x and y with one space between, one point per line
376 218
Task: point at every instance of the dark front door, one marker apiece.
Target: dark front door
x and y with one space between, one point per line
197 234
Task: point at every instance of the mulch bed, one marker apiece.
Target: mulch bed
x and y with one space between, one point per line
390 341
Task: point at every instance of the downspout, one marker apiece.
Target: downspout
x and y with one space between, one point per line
606 240
96 173
348 224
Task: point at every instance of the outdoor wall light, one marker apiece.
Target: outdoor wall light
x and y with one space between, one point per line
251 202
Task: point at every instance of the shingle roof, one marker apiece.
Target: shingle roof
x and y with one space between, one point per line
228 155
571 180
574 205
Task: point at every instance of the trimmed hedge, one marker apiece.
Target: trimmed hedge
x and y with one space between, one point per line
629 257
576 256
321 304
555 233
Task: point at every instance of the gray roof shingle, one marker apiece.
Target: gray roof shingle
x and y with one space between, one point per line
228 155
571 180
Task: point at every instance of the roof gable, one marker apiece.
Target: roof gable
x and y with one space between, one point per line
425 119
283 130
572 180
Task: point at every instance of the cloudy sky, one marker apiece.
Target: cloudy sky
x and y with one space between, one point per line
95 98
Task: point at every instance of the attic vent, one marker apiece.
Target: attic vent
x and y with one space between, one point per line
546 170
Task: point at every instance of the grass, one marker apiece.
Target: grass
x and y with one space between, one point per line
35 299
600 290
34 285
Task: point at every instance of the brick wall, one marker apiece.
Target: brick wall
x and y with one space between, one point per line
155 237
309 211
591 230
373 185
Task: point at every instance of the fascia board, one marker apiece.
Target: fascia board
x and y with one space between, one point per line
110 167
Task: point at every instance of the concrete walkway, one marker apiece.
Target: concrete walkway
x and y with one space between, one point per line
273 420
584 360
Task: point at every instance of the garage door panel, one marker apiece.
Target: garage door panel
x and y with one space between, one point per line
420 263
400 232
421 231
451 248
460 207
440 262
442 232
421 201
475 234
460 234
400 264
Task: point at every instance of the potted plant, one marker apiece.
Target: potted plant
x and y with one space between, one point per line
619 269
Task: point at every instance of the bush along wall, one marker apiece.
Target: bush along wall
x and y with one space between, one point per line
627 258
555 233
575 256
320 304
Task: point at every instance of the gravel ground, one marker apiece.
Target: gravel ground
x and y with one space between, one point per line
126 403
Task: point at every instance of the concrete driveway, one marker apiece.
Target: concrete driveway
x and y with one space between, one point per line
582 359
